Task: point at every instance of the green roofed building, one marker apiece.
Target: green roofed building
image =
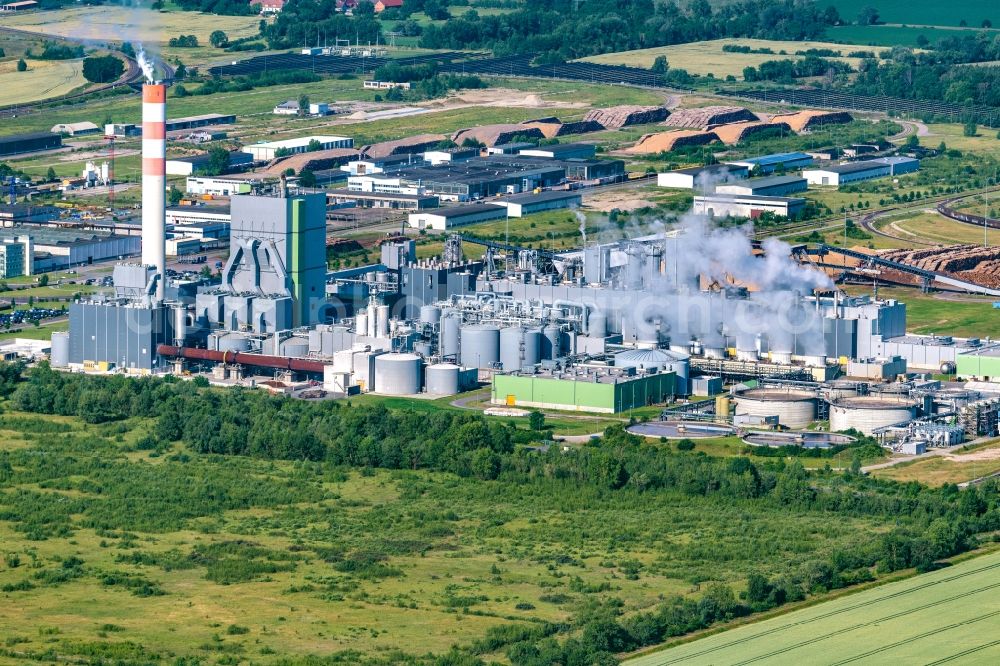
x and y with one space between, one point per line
584 389
982 363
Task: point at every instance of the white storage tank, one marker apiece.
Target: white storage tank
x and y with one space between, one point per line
794 409
443 379
430 314
519 348
295 347
59 355
397 374
839 389
659 360
361 323
382 321
480 345
597 325
448 342
233 342
551 347
868 412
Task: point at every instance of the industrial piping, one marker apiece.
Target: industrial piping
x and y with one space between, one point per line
154 180
241 358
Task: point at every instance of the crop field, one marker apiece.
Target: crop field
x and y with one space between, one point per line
708 57
939 470
887 35
949 615
44 78
923 12
137 25
164 553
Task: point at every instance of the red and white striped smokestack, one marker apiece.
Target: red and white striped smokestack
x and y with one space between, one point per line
154 179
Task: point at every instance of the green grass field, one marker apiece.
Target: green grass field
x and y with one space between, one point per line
888 35
957 315
115 550
922 12
951 615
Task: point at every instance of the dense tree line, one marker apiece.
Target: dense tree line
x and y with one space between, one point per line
311 21
923 525
923 76
786 71
575 29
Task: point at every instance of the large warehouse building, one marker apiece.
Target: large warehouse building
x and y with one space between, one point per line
775 162
851 172
520 205
443 219
604 390
703 177
772 186
268 150
16 144
747 205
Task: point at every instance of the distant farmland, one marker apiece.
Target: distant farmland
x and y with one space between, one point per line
924 12
948 616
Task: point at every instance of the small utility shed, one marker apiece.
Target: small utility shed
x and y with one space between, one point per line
520 205
851 172
442 219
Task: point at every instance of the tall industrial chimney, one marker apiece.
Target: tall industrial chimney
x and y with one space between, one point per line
154 180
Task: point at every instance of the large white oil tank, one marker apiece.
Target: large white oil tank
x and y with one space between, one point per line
233 342
480 345
59 355
397 374
519 347
794 409
443 379
361 323
868 412
382 321
448 342
551 347
659 360
296 346
430 314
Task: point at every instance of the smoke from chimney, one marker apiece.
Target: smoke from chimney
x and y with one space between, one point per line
154 179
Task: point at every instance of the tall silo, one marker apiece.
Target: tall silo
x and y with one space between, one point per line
480 345
397 374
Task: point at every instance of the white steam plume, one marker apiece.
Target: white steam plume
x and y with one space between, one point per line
146 64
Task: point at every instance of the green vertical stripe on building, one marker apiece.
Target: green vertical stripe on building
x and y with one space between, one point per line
297 237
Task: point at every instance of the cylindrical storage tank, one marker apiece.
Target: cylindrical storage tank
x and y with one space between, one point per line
644 359
869 412
295 347
233 342
361 323
59 354
551 349
423 348
794 409
442 379
449 334
839 389
480 346
372 320
815 360
714 352
397 374
382 321
721 407
944 401
781 357
430 314
597 325
180 325
746 348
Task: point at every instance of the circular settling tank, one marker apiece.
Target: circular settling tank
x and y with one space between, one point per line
806 439
870 412
681 429
794 409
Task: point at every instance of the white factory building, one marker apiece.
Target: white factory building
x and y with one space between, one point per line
900 164
703 177
443 219
747 205
220 186
268 150
851 172
770 186
520 205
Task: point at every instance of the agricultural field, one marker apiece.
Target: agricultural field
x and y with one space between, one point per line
43 79
923 12
707 57
887 35
140 26
949 615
